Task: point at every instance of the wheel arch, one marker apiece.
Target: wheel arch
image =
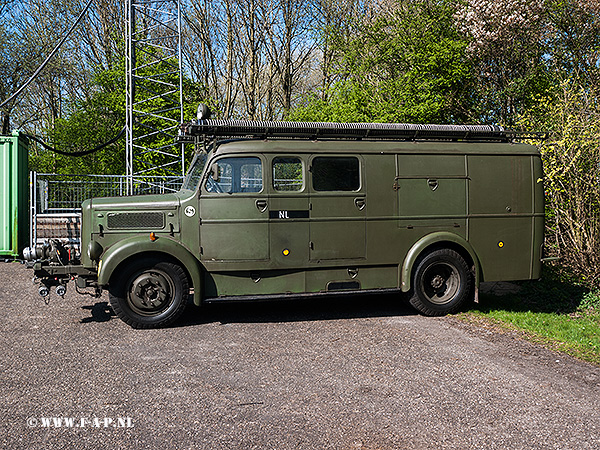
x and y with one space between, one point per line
163 248
435 241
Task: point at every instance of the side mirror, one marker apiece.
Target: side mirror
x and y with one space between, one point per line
214 171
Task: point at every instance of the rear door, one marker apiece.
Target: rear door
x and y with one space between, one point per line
338 208
289 212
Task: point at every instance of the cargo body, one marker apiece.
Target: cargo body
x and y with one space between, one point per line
14 195
273 218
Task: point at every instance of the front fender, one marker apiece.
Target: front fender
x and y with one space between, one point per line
137 246
426 241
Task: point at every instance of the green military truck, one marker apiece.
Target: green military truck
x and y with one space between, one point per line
279 210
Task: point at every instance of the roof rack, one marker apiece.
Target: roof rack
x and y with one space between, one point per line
331 130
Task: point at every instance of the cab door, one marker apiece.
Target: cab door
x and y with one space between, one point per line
234 211
338 208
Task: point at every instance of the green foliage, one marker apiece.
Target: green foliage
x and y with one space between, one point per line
571 162
97 119
556 312
573 48
91 122
590 302
346 101
578 336
158 92
555 293
407 66
507 52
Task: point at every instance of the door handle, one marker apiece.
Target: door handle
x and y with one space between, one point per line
261 205
360 203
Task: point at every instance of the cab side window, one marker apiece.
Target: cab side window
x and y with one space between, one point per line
287 174
336 173
235 175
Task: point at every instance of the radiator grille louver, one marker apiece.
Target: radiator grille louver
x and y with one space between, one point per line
150 220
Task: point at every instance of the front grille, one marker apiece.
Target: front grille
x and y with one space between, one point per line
153 220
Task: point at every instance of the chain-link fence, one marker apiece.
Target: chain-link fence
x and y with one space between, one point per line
56 200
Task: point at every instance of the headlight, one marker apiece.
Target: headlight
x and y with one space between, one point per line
94 250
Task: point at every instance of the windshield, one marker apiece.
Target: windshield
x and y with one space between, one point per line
195 172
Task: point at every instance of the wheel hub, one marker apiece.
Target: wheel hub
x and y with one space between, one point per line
437 282
150 292
441 282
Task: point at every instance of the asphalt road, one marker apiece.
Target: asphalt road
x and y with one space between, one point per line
359 373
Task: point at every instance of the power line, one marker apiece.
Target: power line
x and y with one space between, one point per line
81 153
49 57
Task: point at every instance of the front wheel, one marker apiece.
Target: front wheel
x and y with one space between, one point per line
441 284
149 293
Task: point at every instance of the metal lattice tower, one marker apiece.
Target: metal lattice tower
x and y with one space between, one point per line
154 92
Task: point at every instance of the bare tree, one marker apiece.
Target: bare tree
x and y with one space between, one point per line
101 35
334 22
290 47
255 58
573 43
211 51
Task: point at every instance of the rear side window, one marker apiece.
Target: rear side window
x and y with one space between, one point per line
336 173
287 174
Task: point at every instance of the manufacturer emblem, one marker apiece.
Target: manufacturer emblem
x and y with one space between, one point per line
190 211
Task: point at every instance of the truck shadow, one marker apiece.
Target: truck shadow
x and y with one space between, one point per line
284 310
536 296
543 296
299 310
101 312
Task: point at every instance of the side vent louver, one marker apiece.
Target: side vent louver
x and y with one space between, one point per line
150 220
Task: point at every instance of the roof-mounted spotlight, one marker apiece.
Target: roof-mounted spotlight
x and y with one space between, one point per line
203 112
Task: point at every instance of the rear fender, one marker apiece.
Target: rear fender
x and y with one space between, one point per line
435 239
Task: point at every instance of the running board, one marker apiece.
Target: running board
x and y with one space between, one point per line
298 296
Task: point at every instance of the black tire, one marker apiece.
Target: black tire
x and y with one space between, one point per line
442 283
149 293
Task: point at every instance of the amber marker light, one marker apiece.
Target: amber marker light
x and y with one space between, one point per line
153 237
285 252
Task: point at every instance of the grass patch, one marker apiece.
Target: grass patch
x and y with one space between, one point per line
557 314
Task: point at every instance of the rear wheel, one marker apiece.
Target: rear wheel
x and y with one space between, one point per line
149 293
441 283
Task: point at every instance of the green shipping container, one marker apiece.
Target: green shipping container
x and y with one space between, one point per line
14 194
